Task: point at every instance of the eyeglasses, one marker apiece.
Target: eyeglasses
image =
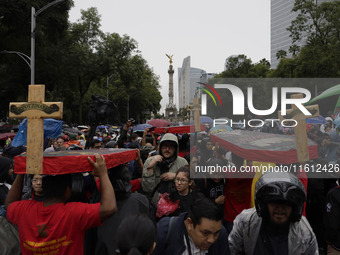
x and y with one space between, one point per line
181 180
37 180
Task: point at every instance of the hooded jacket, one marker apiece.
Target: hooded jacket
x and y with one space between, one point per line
151 181
243 237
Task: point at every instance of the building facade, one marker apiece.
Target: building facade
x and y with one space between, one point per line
187 82
281 18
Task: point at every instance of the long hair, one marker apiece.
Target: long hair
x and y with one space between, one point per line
136 235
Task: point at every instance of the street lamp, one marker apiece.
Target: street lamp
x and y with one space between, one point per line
107 86
20 54
33 26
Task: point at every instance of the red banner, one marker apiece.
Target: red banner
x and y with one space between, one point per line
66 162
178 129
264 147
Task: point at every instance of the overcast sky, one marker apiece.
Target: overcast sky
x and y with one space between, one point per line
207 31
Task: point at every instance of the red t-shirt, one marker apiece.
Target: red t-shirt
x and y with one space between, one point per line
55 229
237 192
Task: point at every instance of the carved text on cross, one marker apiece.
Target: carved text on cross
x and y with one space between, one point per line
35 110
300 129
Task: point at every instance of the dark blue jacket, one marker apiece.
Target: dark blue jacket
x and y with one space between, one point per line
176 244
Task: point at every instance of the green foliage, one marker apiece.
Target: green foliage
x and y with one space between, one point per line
281 54
183 113
74 62
318 26
242 67
15 27
286 68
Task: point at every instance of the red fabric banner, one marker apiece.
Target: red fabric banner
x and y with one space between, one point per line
264 147
178 129
66 162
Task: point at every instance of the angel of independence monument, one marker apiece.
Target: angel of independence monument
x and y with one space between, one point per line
171 110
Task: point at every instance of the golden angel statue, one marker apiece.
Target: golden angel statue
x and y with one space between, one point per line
170 57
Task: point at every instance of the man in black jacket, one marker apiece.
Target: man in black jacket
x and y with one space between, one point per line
333 221
197 232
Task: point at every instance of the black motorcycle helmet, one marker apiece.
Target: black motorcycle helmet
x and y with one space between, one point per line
281 188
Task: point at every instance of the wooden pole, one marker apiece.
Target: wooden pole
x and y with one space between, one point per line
300 130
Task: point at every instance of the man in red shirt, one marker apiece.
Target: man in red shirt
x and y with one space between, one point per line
237 192
55 226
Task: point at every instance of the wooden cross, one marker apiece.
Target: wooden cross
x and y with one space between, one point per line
35 110
300 130
196 108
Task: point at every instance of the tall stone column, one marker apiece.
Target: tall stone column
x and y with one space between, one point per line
171 85
170 110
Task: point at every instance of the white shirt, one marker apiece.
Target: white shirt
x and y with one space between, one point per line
194 249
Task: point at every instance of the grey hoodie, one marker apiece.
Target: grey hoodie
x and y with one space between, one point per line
150 181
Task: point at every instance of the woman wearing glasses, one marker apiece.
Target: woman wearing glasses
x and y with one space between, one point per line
184 192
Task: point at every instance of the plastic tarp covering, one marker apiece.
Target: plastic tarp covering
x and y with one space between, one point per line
52 129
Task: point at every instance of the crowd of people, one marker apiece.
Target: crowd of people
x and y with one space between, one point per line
154 205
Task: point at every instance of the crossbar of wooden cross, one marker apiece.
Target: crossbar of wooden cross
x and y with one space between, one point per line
300 130
35 110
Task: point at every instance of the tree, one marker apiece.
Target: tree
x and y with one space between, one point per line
82 62
94 56
294 49
240 67
131 76
260 69
72 60
316 23
15 27
281 54
286 68
319 27
183 113
237 67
